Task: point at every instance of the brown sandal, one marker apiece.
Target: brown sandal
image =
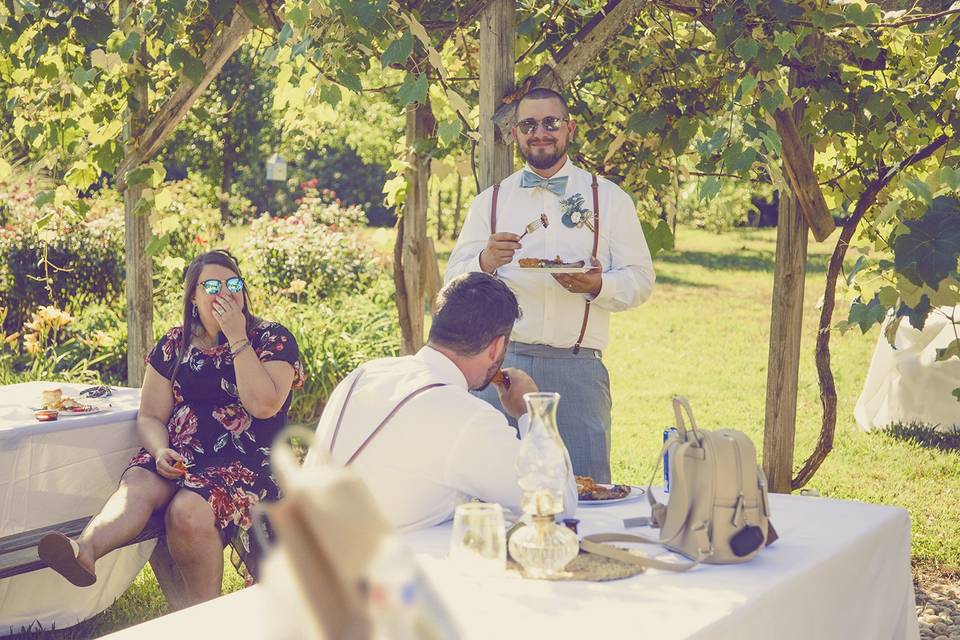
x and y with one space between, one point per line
60 554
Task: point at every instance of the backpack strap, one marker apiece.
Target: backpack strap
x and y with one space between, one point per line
596 243
594 543
493 208
363 445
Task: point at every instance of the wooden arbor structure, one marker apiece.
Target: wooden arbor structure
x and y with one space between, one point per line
802 209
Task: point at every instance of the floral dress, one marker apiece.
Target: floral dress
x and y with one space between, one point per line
226 449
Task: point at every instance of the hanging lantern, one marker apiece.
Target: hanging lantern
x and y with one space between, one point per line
276 168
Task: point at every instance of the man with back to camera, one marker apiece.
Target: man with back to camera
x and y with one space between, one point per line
566 317
438 445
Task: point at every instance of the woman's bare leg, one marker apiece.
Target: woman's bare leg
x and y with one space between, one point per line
141 492
195 545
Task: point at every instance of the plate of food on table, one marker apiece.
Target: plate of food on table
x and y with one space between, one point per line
597 493
55 405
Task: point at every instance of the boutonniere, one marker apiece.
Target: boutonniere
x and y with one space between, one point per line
574 213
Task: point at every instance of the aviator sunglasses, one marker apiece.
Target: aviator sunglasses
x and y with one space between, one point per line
550 123
213 286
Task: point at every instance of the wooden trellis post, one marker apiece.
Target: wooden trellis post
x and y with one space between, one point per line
498 38
411 252
802 208
139 277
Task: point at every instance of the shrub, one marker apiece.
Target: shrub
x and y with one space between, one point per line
100 330
81 261
187 221
302 256
335 336
325 208
48 257
733 206
56 348
187 215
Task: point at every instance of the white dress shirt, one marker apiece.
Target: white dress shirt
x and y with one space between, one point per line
551 314
442 448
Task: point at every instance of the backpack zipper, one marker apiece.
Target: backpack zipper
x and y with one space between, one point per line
738 509
762 482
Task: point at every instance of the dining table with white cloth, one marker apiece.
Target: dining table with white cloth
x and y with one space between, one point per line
54 472
841 569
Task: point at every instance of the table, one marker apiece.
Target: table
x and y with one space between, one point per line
52 472
908 384
840 570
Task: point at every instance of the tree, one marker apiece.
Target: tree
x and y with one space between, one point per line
667 92
229 129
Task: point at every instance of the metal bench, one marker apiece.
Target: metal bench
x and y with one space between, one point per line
18 553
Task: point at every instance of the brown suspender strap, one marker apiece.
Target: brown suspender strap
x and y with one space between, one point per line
393 412
493 209
596 244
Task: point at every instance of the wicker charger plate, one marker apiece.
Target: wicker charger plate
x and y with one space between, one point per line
589 567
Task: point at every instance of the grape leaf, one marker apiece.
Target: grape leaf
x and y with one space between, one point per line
94 28
398 51
916 315
866 314
414 89
928 253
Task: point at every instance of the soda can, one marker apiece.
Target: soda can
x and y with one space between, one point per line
666 459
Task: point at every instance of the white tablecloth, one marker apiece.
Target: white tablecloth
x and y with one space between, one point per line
907 384
840 570
53 472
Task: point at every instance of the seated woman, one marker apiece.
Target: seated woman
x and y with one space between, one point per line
215 394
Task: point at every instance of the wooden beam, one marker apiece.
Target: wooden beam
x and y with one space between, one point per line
430 274
163 124
798 167
581 53
498 38
786 328
139 266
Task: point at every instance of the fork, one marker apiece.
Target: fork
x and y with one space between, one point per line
542 221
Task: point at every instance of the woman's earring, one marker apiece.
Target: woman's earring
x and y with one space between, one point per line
194 312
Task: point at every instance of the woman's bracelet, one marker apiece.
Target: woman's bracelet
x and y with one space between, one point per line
243 345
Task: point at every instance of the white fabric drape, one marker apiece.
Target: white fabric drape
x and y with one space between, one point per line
907 384
53 472
840 570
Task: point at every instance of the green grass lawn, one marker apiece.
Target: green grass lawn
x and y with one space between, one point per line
703 334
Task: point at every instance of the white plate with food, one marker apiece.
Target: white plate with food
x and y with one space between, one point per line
592 493
553 266
54 400
82 410
74 410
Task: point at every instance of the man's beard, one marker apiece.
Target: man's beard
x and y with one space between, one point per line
492 371
544 159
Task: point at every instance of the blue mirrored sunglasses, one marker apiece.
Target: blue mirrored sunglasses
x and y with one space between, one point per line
213 286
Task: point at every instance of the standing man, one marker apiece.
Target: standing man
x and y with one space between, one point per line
566 318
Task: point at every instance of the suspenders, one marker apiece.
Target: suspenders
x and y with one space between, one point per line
383 423
596 243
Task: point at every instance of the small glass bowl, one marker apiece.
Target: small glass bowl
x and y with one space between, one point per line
47 415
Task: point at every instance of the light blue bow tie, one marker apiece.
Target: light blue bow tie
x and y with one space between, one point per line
556 186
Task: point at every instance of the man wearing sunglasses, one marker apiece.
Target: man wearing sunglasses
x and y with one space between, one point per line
566 317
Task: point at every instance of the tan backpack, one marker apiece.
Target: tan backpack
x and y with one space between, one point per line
718 511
